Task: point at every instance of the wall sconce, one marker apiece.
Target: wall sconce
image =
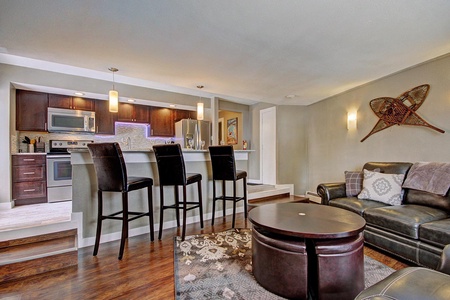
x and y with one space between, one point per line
351 120
200 111
113 95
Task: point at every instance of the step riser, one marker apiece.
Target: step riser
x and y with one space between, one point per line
37 254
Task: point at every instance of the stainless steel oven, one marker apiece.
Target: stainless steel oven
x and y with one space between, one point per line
59 177
59 169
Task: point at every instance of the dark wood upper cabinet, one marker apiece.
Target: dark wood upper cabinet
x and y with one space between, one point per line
141 114
133 113
162 121
31 111
105 120
68 102
180 114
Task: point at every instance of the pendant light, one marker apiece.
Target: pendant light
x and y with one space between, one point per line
113 95
200 111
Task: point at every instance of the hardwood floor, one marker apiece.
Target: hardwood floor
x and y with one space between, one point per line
145 272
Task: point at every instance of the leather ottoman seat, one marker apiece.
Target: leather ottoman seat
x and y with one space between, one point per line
410 284
280 264
340 263
413 283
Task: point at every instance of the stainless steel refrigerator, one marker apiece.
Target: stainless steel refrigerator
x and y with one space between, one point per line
193 134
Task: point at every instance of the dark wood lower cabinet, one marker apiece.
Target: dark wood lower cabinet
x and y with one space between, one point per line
29 179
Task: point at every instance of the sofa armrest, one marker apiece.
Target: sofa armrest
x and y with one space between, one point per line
328 191
444 264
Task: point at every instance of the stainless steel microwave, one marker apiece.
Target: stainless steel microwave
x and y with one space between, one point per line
69 120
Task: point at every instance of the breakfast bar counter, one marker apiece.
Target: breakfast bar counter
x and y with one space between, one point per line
139 162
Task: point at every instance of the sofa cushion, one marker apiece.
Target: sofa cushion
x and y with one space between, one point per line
403 219
436 232
386 188
427 199
355 205
388 167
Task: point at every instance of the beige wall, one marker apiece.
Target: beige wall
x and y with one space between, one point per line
332 149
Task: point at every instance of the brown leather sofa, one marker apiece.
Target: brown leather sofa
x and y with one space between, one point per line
414 283
416 230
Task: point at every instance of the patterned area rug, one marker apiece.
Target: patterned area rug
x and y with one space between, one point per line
219 266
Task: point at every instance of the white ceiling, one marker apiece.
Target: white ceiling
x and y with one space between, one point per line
248 51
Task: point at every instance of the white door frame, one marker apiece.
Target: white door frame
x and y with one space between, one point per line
268 145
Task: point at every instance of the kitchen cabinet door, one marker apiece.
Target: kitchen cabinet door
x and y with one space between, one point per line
59 101
180 114
31 111
83 104
141 114
133 113
68 102
105 120
162 122
126 112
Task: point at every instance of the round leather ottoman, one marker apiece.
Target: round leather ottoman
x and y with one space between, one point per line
280 264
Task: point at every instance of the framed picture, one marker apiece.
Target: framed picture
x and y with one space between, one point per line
232 134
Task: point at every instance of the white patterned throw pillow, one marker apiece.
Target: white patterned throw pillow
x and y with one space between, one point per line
386 188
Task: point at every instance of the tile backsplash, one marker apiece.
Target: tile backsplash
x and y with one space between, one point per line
136 132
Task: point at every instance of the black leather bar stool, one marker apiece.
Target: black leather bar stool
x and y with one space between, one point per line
224 168
172 172
112 177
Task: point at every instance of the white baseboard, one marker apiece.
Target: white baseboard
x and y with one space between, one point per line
6 205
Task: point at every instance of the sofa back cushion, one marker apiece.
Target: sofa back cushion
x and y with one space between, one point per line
427 199
389 167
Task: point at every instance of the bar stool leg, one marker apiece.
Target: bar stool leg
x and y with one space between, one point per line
223 195
234 204
214 201
161 211
150 212
200 202
245 197
184 213
124 223
177 204
99 222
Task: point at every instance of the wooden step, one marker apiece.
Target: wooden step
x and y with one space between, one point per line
26 256
276 199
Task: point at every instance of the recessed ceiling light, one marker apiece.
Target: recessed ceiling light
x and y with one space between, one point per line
290 96
79 93
131 100
172 105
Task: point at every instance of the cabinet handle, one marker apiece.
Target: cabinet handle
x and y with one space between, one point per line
30 190
28 159
29 173
45 126
97 129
